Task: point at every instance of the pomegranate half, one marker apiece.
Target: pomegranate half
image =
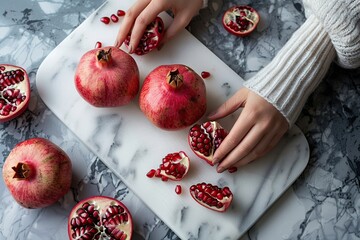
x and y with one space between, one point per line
173 97
100 217
37 173
107 77
14 91
240 20
205 138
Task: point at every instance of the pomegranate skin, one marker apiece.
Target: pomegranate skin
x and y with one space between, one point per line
47 177
107 77
173 106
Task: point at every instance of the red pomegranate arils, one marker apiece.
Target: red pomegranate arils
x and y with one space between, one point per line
205 74
114 18
178 189
98 45
151 173
105 20
120 13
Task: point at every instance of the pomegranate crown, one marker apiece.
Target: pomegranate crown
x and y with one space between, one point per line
174 78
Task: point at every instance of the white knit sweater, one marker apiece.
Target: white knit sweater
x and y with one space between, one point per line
331 32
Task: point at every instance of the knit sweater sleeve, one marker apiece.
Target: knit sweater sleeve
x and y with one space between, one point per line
294 73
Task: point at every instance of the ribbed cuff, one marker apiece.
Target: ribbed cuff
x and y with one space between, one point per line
288 80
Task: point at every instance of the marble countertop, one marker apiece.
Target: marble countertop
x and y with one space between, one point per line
323 203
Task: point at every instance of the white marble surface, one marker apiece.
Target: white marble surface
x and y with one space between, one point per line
130 146
323 203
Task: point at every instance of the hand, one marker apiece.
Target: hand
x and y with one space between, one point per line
257 130
144 12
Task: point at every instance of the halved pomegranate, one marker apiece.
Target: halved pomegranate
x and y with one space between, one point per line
100 217
14 91
212 196
204 139
153 35
240 20
174 166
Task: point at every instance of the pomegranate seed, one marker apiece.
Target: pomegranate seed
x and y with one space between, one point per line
151 173
205 74
178 189
98 45
120 13
105 20
114 18
232 169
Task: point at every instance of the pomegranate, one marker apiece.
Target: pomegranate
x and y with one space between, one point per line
174 166
151 38
205 138
212 196
100 217
240 20
14 91
107 77
37 173
173 97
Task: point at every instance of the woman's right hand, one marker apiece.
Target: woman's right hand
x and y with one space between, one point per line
144 12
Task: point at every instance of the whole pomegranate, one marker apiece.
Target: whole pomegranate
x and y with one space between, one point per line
37 173
14 91
107 77
173 97
100 217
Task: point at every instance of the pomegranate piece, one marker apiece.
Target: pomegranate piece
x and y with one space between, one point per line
205 74
14 91
173 97
174 166
204 139
37 173
240 20
100 217
105 20
153 35
107 77
212 196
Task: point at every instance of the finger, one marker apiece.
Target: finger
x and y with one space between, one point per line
265 145
141 22
243 149
241 127
181 20
128 21
231 105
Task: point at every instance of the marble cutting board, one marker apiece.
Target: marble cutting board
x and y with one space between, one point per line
130 145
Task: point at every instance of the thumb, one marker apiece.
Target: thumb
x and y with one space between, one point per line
235 102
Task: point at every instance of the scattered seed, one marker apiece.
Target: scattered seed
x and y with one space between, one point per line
205 74
232 169
105 20
178 189
114 18
120 13
98 45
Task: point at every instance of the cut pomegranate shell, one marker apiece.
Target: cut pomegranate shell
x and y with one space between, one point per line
14 91
153 35
205 138
212 196
174 166
240 20
100 217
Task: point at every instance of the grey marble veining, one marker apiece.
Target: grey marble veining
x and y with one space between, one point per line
322 204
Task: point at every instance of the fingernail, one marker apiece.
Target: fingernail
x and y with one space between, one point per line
215 160
211 114
220 169
130 49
